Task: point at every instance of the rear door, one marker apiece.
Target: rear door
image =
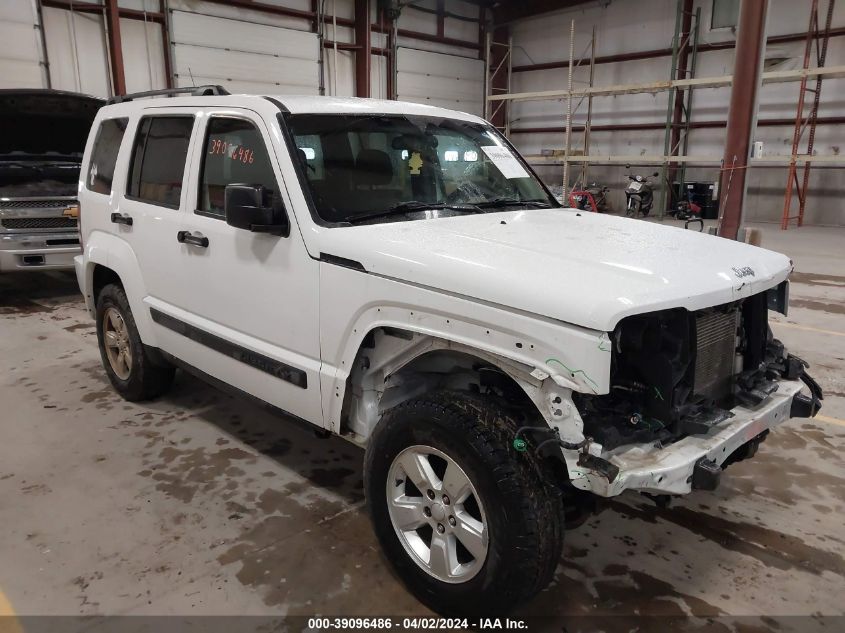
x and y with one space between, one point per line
247 311
154 198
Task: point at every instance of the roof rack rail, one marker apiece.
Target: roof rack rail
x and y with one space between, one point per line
195 91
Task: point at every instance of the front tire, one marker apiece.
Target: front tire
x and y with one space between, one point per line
470 525
132 370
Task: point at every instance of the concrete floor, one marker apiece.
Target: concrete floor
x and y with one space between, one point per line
199 503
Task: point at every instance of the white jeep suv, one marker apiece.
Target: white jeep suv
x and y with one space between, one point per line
396 274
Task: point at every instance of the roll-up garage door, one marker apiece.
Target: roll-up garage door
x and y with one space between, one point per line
448 81
243 56
20 55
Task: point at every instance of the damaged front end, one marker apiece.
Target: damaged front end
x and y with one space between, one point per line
690 393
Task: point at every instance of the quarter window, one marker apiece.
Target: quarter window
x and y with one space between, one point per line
158 159
235 153
104 155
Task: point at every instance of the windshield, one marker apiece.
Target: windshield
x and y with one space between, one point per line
367 167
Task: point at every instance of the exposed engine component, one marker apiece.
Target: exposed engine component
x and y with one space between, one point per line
676 373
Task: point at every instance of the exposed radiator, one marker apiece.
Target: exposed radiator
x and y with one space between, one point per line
715 351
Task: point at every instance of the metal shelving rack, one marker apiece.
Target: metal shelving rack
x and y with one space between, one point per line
687 83
684 59
491 73
806 124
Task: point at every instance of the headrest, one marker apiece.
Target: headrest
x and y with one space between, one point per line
374 167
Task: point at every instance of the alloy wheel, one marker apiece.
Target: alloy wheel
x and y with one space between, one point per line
116 341
437 514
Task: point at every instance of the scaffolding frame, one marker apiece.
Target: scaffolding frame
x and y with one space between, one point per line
820 37
687 83
683 47
490 75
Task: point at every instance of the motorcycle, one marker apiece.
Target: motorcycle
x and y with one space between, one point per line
590 198
639 195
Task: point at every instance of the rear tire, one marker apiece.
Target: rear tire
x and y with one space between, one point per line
517 512
132 369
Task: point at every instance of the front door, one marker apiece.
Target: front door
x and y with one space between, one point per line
248 312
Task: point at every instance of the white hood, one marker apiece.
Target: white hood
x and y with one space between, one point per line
582 268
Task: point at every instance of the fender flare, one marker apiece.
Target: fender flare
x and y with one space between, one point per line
114 253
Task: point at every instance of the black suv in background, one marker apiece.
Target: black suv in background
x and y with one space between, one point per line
44 134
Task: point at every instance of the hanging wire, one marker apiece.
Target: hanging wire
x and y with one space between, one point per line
321 54
147 47
379 57
75 50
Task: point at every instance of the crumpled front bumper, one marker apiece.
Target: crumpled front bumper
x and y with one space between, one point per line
691 462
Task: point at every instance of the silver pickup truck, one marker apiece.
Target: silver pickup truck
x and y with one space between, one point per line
40 154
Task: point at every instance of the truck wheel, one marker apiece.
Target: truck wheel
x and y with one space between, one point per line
470 525
133 372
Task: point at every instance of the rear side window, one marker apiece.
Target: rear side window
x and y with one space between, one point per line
234 153
104 155
158 159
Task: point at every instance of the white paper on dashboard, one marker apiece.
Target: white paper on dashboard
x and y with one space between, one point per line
505 161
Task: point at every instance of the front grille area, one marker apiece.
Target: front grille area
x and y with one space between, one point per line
38 223
35 204
716 333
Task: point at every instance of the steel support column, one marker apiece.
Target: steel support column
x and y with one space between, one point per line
115 47
363 53
742 114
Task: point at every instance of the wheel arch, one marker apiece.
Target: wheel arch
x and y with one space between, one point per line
109 259
394 365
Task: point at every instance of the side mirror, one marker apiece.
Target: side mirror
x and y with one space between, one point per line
247 207
656 174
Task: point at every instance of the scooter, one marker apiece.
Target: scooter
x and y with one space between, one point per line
639 195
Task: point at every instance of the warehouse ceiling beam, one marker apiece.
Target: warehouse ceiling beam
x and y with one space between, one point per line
506 12
742 114
98 8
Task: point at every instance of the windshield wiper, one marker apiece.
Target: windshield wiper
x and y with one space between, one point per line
513 202
415 205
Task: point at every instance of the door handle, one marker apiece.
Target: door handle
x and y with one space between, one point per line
119 218
185 237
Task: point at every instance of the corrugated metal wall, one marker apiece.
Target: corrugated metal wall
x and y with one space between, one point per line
243 56
245 50
21 56
448 81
